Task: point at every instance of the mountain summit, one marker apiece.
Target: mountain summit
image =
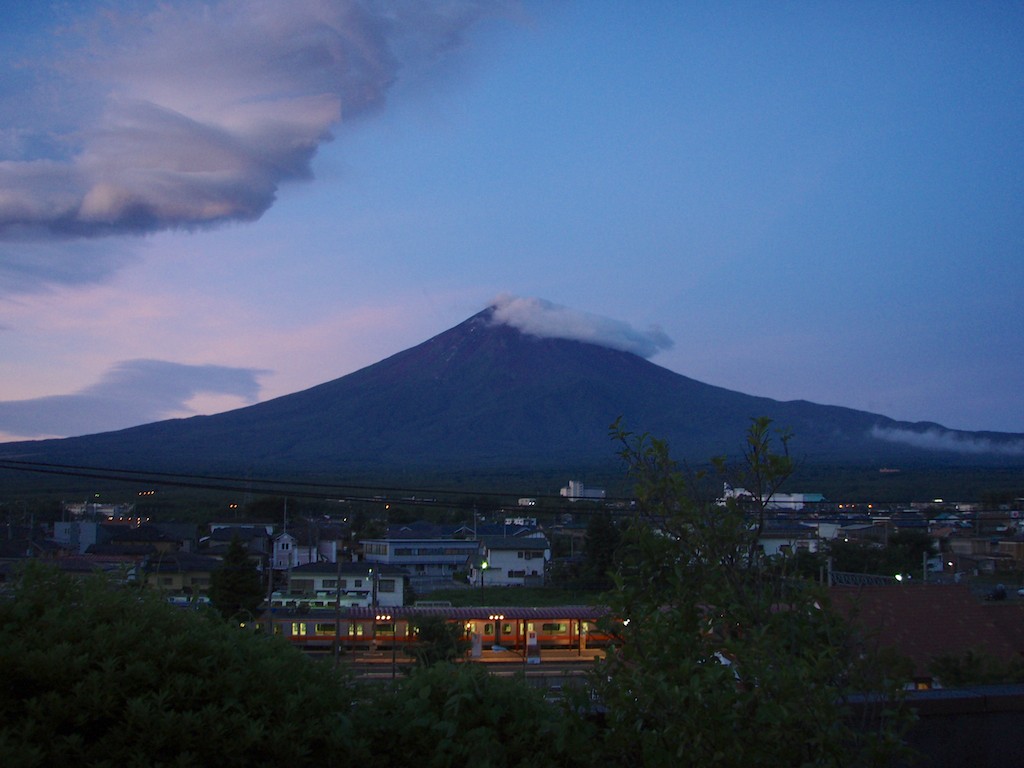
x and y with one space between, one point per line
488 395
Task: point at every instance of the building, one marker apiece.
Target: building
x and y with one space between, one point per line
180 573
325 585
778 501
306 543
507 561
431 561
788 539
576 491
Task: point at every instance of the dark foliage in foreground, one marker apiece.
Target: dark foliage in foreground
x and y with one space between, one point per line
97 674
726 659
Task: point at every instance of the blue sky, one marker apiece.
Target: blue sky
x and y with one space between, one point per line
207 205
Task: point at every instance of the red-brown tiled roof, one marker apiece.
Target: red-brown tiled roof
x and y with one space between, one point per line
923 622
586 612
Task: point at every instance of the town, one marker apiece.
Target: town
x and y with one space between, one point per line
522 586
327 580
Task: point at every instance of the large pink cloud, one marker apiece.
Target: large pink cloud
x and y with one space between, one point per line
198 112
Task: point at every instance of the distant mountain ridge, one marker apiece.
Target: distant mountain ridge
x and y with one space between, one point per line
485 395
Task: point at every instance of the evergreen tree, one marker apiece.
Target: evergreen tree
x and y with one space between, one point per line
236 590
599 557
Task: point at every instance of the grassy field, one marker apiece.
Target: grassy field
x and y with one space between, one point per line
508 596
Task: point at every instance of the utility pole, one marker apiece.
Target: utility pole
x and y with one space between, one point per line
270 589
337 615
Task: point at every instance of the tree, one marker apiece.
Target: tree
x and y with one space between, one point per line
976 668
459 714
97 674
603 538
902 554
724 658
438 640
235 588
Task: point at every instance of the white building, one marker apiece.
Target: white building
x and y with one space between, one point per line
788 501
303 546
510 561
324 585
576 491
430 562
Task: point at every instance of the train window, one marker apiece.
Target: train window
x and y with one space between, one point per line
324 629
506 629
355 630
386 629
551 628
488 629
298 628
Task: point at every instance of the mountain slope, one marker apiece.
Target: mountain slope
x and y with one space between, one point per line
484 394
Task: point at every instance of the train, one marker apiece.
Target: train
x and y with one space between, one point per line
515 628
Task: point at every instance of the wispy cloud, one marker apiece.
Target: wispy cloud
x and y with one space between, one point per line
937 439
133 392
190 115
541 318
31 266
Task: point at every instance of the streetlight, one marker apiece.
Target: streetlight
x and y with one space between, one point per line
483 567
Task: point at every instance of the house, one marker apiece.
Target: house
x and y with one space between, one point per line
326 585
255 538
981 555
788 539
307 542
180 573
506 561
81 536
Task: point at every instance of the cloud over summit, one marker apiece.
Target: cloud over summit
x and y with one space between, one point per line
537 317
